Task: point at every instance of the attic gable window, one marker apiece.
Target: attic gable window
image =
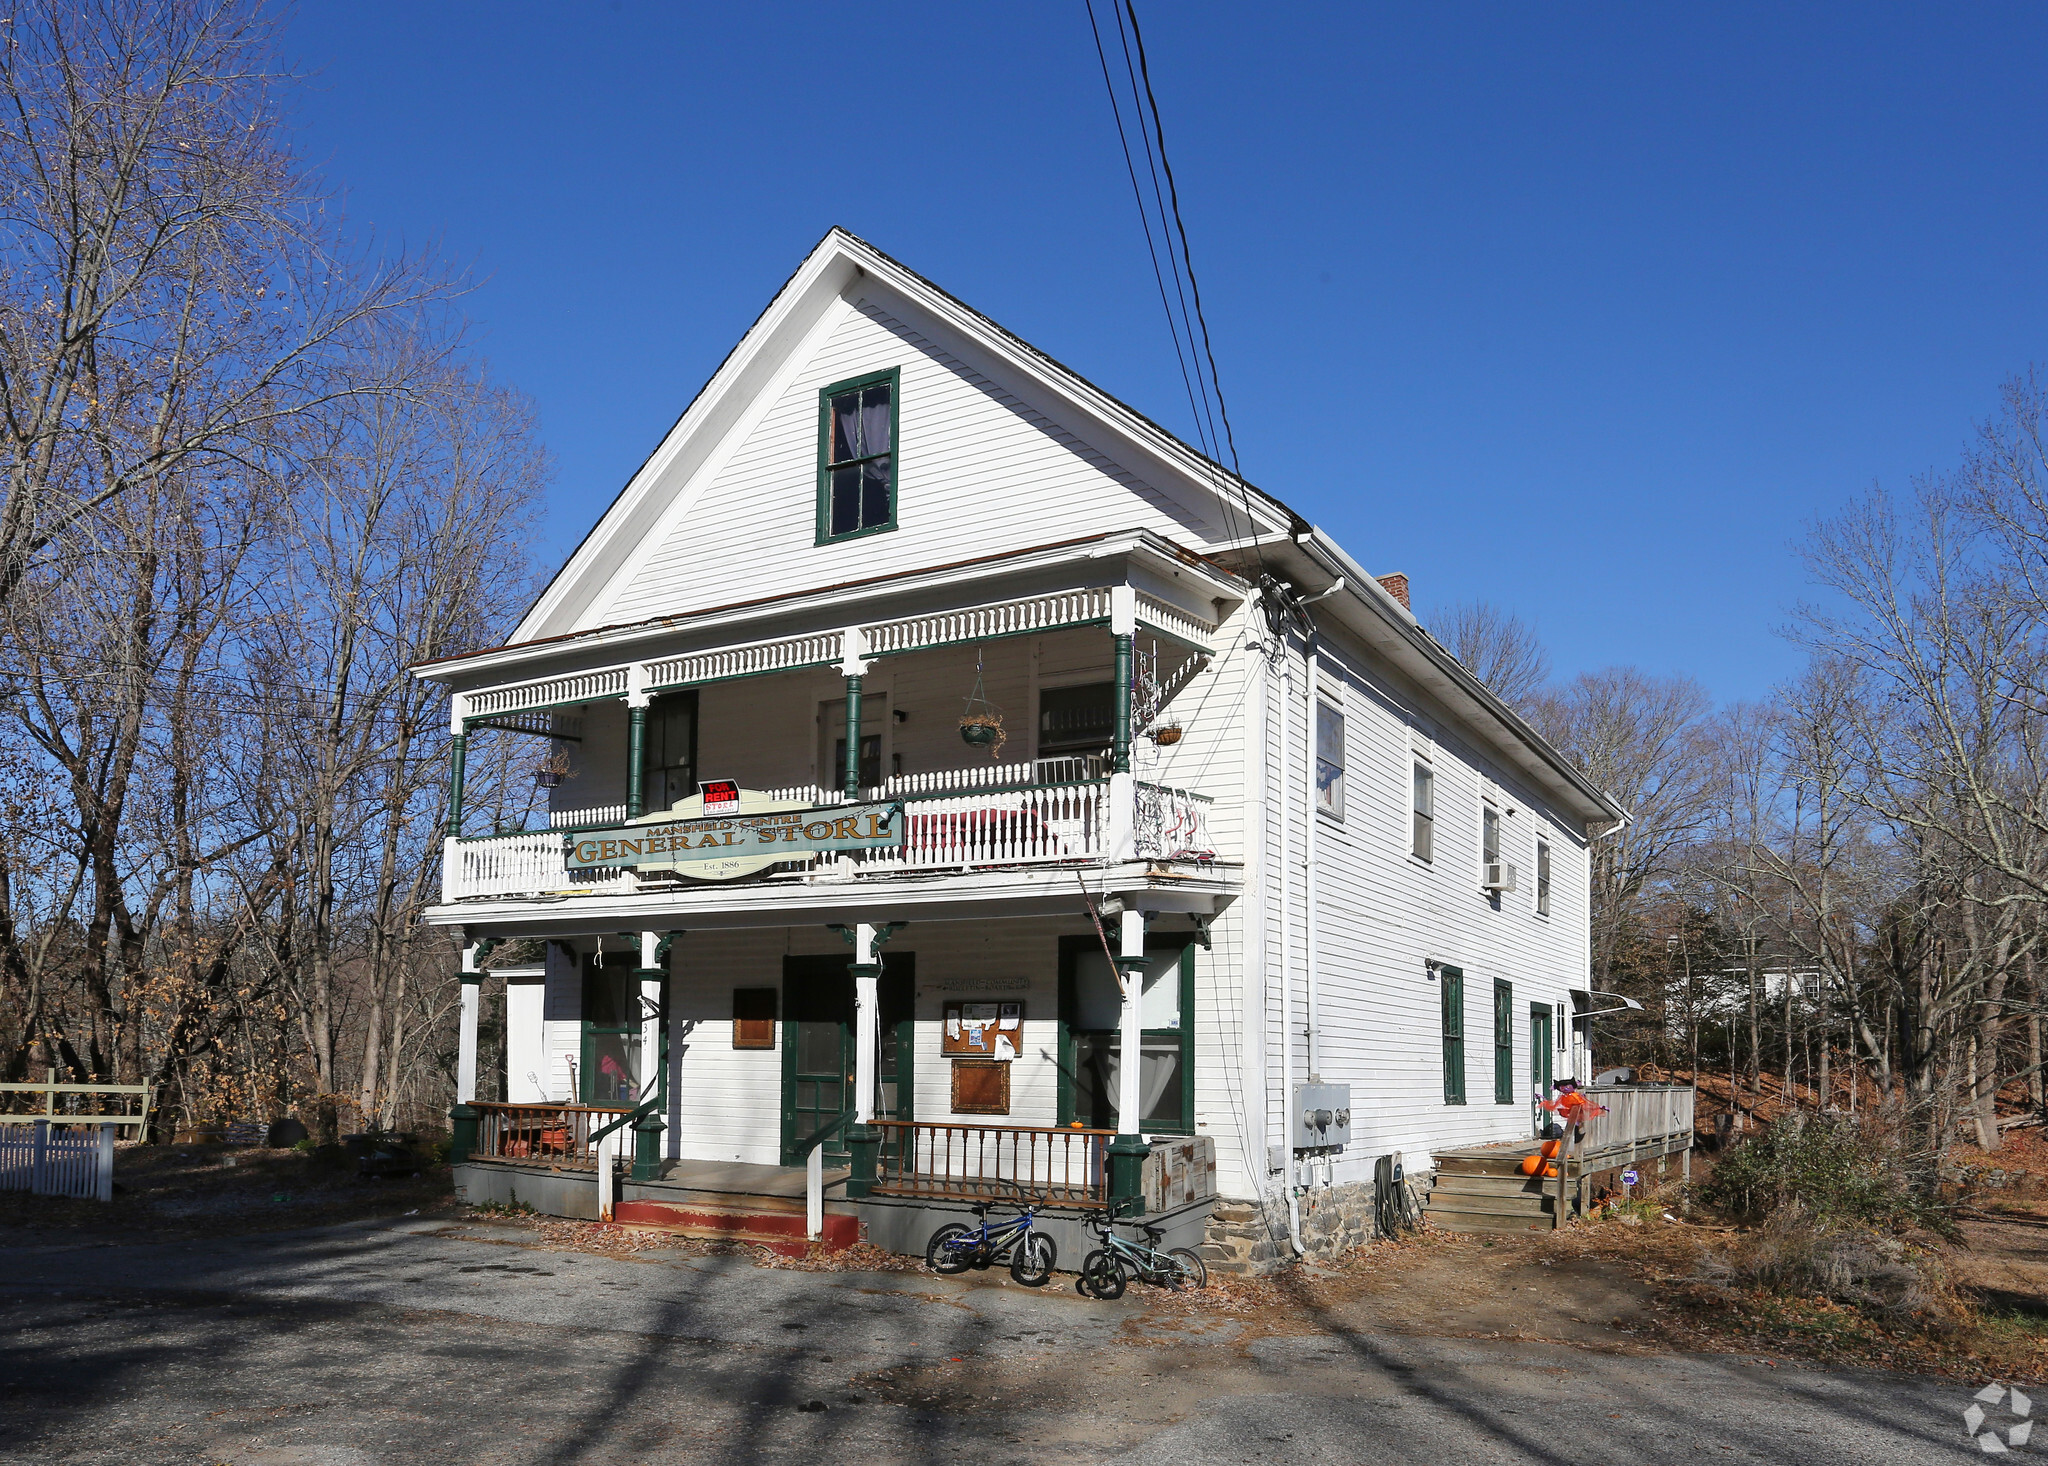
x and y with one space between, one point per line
857 457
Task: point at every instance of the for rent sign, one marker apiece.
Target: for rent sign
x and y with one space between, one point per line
753 838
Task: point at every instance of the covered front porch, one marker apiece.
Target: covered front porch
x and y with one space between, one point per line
757 1079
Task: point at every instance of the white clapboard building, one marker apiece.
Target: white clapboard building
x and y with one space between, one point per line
927 735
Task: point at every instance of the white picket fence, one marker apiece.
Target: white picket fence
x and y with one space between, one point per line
58 1159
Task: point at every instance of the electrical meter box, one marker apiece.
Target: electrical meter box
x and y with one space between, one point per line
1322 1116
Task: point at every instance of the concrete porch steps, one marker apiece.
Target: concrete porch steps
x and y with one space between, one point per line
779 1228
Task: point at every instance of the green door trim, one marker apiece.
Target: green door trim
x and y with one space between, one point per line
897 989
1541 1017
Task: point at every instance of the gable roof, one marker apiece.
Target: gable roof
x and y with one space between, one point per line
837 262
1271 528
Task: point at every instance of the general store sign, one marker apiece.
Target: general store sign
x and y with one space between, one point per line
756 840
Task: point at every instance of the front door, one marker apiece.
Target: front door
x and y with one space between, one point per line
1539 1061
817 1051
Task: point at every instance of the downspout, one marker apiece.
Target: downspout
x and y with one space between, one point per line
1311 820
1286 959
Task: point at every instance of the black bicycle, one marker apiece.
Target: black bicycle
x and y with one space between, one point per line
1107 1271
956 1247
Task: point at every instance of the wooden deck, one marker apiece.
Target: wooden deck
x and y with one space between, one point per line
1481 1188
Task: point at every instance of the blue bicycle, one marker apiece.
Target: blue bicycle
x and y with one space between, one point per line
956 1247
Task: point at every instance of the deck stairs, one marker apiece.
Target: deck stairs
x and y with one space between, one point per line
705 1202
1482 1189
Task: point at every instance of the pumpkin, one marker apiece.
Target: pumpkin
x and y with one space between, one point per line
1531 1164
1551 1149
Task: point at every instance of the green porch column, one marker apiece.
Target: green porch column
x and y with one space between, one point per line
636 759
456 752
851 786
1122 746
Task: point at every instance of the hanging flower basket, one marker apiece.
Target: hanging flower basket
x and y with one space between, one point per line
981 722
1167 737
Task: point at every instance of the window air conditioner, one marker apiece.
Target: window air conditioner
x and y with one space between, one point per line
1500 876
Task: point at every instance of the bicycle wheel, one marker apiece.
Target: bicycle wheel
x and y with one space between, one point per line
949 1251
1031 1262
1102 1275
1190 1271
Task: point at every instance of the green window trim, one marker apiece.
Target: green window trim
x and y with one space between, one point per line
1503 1042
1070 950
1451 981
894 377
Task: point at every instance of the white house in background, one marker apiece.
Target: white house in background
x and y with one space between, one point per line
912 689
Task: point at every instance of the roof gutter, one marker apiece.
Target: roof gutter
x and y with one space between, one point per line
1366 590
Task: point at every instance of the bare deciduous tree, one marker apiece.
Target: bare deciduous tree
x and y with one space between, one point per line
1498 648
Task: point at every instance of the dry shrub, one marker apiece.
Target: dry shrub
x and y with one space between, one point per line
1832 1169
1899 1281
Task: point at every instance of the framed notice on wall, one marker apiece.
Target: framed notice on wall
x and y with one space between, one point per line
981 1087
753 1018
982 1030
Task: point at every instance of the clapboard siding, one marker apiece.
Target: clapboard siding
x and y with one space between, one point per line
980 472
1384 916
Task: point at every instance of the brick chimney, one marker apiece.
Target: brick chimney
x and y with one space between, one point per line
1397 587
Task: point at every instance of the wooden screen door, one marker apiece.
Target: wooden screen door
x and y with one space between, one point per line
817 1050
1540 1053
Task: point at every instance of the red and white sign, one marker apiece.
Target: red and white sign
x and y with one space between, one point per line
721 796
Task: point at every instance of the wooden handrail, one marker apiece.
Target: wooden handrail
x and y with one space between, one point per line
562 1136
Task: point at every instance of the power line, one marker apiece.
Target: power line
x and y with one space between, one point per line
1204 387
1188 375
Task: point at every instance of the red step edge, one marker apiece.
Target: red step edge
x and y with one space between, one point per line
784 1232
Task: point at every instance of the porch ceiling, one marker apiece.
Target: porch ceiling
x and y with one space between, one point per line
1007 593
507 704
957 896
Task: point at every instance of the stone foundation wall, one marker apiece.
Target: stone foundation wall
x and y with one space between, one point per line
1251 1237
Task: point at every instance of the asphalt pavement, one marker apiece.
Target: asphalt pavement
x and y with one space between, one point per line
373 1345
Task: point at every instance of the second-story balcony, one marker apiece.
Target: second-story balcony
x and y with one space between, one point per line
993 734
974 819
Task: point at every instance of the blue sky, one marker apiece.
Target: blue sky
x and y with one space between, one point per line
1585 311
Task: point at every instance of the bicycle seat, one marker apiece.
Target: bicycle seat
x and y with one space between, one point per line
1154 1233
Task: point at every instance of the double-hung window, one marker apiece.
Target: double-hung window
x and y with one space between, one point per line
1489 839
1543 878
857 457
1423 844
1329 760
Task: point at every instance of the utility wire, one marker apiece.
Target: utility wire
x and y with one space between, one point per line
1188 374
1203 385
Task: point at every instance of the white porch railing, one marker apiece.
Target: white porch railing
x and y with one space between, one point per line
598 815
1004 827
530 864
1034 824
